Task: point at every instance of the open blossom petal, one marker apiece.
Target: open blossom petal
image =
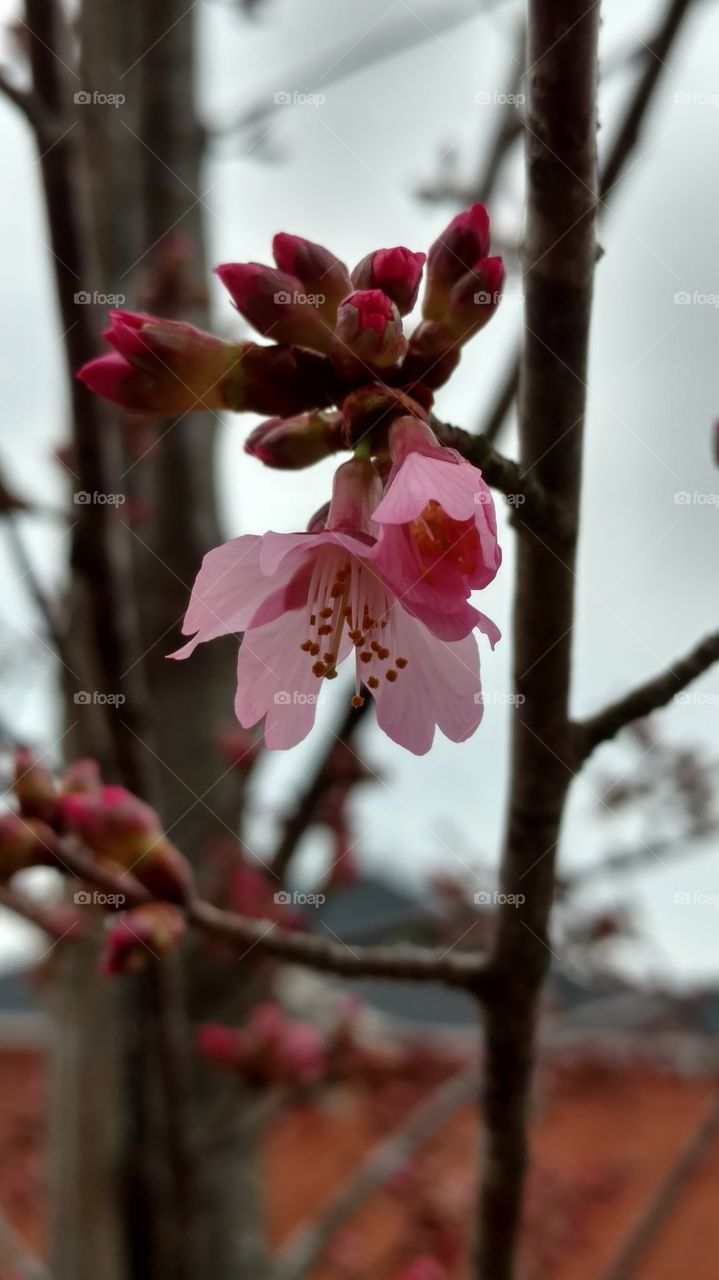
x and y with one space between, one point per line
445 691
275 681
228 591
306 601
444 510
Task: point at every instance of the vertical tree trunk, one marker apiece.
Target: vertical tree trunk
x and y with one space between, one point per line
559 255
145 168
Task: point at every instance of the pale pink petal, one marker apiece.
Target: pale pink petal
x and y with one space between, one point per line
276 547
228 590
275 680
439 686
421 479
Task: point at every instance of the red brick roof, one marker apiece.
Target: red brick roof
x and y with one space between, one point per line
612 1145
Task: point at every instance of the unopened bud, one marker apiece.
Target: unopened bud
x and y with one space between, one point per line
161 366
288 444
453 253
34 786
24 842
368 334
146 932
321 273
397 272
276 304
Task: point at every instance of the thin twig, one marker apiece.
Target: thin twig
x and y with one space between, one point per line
520 488
649 697
633 118
400 962
30 106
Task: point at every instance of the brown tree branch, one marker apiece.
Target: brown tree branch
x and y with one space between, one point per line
99 555
30 106
400 962
649 697
560 252
657 51
628 134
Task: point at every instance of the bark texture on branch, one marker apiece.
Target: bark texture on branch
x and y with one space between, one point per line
559 256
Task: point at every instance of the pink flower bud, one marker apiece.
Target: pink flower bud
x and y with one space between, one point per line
368 333
161 366
397 272
456 250
276 304
24 842
226 1045
147 932
119 828
303 1053
475 298
288 444
83 776
34 786
266 1024
319 270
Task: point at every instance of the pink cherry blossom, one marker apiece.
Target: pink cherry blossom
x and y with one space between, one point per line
439 530
306 601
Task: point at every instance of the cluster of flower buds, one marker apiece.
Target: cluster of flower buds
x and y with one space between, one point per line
386 569
272 1049
144 933
121 832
